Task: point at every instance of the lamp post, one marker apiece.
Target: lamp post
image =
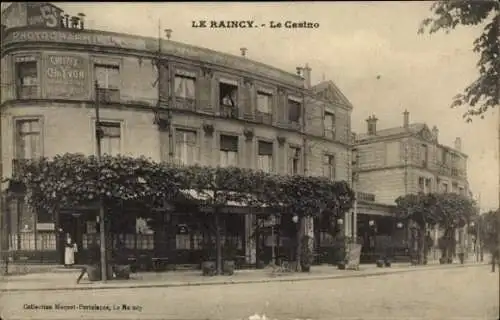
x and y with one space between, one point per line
102 231
295 220
273 253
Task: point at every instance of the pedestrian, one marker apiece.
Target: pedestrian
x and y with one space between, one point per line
93 259
495 258
69 251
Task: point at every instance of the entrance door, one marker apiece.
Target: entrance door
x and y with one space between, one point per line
71 224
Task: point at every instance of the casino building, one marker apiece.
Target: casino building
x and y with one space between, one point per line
225 110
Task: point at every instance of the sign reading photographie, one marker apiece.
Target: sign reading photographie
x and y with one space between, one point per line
66 76
77 37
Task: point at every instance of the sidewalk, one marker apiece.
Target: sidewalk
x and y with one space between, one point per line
67 280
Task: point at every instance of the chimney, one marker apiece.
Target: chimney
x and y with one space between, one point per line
243 52
458 144
372 125
168 33
299 71
406 119
435 133
306 74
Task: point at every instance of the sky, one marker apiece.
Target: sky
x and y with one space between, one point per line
371 50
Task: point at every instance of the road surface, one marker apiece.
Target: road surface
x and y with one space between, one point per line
461 293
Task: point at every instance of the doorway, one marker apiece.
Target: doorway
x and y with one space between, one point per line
72 224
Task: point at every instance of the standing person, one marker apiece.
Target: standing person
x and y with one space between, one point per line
69 251
495 257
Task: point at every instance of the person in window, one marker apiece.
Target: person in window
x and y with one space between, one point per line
69 251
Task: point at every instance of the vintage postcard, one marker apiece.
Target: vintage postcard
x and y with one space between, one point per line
250 161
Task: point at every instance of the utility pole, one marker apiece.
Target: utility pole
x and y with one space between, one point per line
102 226
164 120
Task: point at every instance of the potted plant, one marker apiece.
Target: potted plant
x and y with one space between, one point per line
229 264
208 265
306 255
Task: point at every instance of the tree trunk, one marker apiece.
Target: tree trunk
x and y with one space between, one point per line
218 247
299 226
422 244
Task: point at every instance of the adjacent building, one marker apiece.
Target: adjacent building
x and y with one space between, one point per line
408 159
225 110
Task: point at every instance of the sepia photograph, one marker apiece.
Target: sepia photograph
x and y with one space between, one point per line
294 160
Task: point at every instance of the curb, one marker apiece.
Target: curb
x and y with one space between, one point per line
254 281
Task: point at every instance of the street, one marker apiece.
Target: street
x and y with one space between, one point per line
461 293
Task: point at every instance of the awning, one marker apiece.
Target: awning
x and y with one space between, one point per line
207 195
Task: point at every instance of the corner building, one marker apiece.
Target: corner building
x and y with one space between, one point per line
225 110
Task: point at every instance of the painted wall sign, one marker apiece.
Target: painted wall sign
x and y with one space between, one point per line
66 77
79 37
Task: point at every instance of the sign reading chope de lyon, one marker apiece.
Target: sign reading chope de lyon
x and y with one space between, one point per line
66 76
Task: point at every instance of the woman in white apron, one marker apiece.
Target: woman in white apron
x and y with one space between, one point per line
69 251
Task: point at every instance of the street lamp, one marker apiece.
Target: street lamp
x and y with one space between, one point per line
273 254
295 218
399 225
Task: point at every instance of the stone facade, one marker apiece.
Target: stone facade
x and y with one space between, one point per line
62 94
408 159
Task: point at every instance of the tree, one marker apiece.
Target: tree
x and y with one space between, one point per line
447 210
419 208
483 93
73 180
453 211
488 229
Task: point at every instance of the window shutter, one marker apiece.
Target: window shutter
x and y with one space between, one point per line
205 89
246 101
164 83
280 108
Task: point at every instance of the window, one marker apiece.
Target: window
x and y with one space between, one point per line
294 111
186 146
428 185
110 138
27 79
329 122
108 81
424 151
421 184
185 87
454 187
294 161
228 151
228 99
28 142
461 191
444 156
329 166
445 187
264 102
265 156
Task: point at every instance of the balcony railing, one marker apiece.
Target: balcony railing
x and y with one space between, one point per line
364 196
27 92
185 103
228 111
264 117
329 134
106 95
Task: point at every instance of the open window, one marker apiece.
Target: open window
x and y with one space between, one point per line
228 99
27 79
294 112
